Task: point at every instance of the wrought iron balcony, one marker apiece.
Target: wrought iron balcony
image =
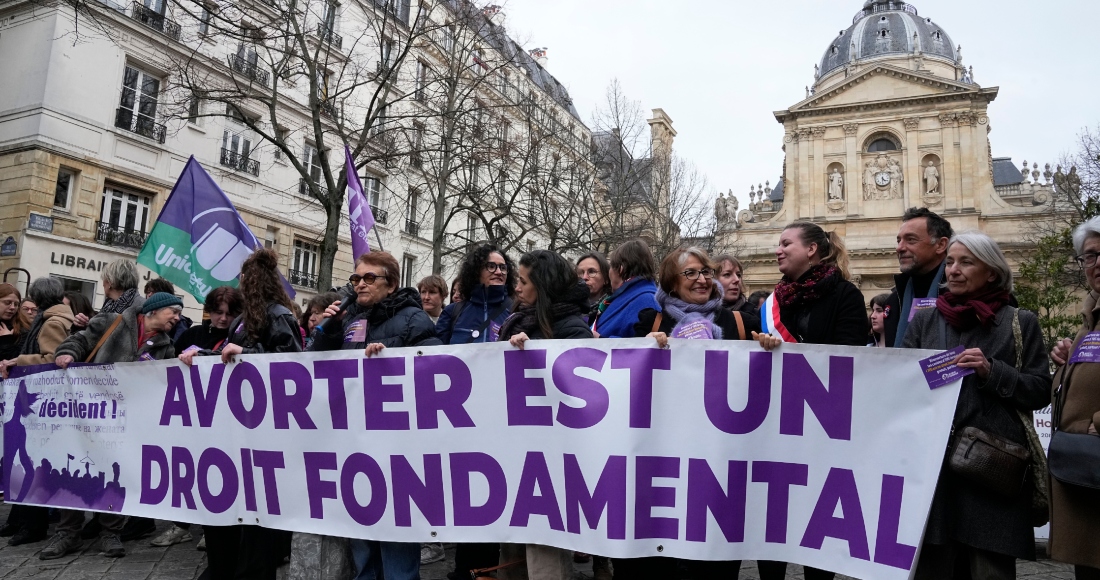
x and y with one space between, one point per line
380 215
303 279
329 36
241 65
240 162
140 124
412 228
303 188
116 235
155 20
328 109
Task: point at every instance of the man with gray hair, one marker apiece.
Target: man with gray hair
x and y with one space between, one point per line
922 250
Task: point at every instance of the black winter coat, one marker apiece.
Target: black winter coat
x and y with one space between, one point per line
283 334
896 311
839 317
563 328
398 320
724 320
11 345
203 336
458 320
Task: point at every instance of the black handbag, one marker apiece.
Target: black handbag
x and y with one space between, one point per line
1074 458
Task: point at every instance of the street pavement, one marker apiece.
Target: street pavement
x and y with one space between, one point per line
184 562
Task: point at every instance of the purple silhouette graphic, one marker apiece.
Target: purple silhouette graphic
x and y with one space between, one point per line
45 485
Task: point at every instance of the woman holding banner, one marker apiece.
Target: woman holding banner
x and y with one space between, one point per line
13 323
981 513
1075 509
690 301
550 304
633 273
49 329
384 315
266 325
814 303
489 276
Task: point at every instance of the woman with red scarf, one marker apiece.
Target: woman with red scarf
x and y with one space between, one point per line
974 525
814 303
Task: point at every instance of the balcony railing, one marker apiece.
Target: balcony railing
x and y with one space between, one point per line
155 20
412 228
140 124
329 36
303 279
381 216
328 109
240 162
241 65
303 188
115 235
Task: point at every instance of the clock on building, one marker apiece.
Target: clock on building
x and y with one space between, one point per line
882 178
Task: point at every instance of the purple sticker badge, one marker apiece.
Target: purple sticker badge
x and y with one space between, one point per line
940 369
697 329
357 332
921 304
494 332
1088 351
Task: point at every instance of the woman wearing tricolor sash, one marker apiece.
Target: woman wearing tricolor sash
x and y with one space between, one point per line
814 303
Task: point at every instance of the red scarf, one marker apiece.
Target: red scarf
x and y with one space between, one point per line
966 312
809 288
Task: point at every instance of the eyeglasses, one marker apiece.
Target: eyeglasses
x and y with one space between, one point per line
495 267
9 303
694 274
368 278
1086 260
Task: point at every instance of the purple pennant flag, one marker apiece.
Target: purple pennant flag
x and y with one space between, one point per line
362 219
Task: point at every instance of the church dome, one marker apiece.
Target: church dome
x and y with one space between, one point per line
884 28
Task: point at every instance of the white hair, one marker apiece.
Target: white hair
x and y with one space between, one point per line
1083 232
988 252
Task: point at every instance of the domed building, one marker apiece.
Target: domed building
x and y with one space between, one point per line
893 120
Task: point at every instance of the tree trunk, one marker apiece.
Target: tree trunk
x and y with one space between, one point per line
330 242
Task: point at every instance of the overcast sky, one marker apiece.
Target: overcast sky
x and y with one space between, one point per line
720 67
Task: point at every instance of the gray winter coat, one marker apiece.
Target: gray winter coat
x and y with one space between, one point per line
398 320
962 512
121 345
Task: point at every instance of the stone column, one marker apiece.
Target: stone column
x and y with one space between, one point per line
968 184
853 173
949 171
803 177
912 163
817 169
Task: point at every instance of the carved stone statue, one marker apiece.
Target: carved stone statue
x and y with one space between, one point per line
896 178
836 185
869 172
931 179
732 205
720 212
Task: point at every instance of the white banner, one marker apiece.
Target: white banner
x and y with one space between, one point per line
716 450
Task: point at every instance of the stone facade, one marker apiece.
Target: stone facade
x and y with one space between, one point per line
883 133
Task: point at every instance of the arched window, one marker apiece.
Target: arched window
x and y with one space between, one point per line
882 144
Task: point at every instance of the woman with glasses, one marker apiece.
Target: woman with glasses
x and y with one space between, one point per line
814 303
690 300
1075 510
13 323
383 315
487 278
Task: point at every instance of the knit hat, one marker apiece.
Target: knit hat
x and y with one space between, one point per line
160 300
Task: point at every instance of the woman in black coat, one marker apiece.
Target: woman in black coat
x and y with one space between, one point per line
814 303
266 325
384 316
550 303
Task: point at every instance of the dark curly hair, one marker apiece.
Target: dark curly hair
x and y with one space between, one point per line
469 275
261 286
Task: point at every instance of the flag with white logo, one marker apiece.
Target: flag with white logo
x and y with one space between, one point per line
362 219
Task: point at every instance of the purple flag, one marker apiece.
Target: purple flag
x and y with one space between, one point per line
362 219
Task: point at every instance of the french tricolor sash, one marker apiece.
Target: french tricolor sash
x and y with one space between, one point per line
770 321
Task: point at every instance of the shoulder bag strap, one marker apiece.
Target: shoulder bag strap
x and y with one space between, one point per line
657 322
740 325
485 323
459 306
103 339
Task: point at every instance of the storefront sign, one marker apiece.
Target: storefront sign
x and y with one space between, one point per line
77 262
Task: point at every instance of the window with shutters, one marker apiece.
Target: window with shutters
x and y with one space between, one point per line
124 216
303 265
204 21
471 227
313 163
412 225
137 110
421 90
408 270
237 142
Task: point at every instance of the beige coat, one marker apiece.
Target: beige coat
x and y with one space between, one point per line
1075 512
55 329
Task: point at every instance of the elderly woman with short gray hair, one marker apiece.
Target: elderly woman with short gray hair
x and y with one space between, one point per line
120 282
1075 509
974 516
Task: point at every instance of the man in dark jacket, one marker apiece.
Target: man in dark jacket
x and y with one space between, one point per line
922 249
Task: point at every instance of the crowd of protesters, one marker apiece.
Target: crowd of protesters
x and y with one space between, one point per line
953 290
